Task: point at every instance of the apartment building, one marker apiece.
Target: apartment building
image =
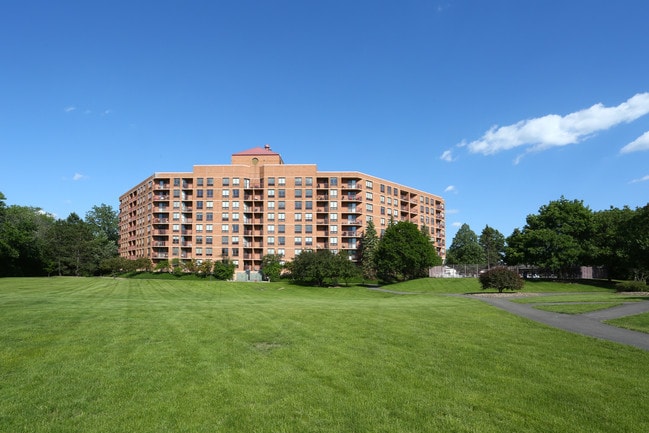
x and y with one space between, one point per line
259 205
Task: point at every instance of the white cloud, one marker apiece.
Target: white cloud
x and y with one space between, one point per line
553 130
457 224
642 179
450 188
640 143
69 109
452 211
447 156
78 176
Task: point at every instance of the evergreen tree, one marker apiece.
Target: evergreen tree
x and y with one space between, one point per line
369 243
493 246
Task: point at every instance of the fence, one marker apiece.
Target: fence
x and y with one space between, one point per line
473 271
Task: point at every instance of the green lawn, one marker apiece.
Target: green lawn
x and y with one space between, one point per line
576 308
111 355
638 322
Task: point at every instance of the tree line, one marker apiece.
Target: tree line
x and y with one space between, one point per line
35 243
561 237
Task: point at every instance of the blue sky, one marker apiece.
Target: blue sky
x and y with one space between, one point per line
498 106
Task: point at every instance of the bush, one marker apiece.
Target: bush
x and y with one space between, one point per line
501 279
632 286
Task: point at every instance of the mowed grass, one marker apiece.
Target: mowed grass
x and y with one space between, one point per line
110 355
637 322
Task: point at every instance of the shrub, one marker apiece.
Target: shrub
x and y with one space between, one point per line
632 286
501 279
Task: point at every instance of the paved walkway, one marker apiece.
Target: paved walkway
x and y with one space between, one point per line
586 324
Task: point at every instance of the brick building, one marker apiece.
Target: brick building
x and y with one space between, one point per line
259 205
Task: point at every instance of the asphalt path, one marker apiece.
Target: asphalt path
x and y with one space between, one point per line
586 324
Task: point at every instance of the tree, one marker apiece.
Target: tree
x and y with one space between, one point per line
271 266
493 246
404 253
639 247
103 220
501 278
71 249
22 232
558 239
368 245
613 238
312 267
223 270
465 248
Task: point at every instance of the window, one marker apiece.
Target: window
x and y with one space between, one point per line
176 216
209 204
270 240
281 204
309 181
298 240
235 205
235 252
368 196
225 181
298 205
333 205
271 193
308 204
225 205
176 181
281 240
308 241
333 241
199 216
225 193
271 181
235 240
224 252
208 251
308 217
210 181
225 240
199 193
333 217
271 205
199 181
333 229
208 240
199 240
298 181
199 227
235 193
235 228
333 193
368 184
281 228
308 193
281 181
333 181
281 251
209 228
210 193
225 216
281 193
199 251
225 228
281 216
297 216
176 227
298 228
209 216
298 193
369 207
271 228
271 216
235 216
308 228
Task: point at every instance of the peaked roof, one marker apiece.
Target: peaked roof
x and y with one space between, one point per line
256 151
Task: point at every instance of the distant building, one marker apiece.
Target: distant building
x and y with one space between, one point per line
259 205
